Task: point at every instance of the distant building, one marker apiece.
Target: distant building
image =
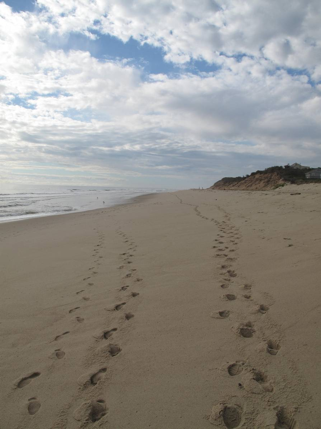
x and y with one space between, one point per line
314 174
298 166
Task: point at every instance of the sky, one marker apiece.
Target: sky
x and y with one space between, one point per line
172 94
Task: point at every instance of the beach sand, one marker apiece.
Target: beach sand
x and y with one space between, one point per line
185 310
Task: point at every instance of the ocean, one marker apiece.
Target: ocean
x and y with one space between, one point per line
19 202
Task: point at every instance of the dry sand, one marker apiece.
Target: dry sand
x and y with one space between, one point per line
125 317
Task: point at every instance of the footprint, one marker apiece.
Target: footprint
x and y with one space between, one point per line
90 284
262 380
114 350
80 291
124 287
59 353
228 414
224 286
224 314
232 273
33 406
92 411
73 309
85 298
247 296
94 379
80 319
247 330
129 316
109 333
134 294
285 419
138 279
263 308
230 259
247 286
273 347
26 380
232 416
221 314
230 297
119 306
61 335
235 368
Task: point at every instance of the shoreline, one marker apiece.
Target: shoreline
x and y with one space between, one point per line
129 201
164 312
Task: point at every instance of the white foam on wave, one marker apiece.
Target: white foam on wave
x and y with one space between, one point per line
44 201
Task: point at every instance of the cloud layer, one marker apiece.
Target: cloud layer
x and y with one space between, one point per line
66 109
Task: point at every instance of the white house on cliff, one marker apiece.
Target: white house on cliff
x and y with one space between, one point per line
314 174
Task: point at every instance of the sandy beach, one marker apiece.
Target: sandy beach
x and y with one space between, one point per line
184 310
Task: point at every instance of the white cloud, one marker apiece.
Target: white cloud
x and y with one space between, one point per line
201 30
94 114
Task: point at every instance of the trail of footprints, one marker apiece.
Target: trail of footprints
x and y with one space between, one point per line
93 410
231 413
130 273
34 405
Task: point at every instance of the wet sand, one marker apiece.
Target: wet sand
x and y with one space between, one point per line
184 310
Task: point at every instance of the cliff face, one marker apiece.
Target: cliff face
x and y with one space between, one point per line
255 182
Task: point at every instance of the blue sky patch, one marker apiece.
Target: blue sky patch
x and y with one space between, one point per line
18 101
145 56
21 5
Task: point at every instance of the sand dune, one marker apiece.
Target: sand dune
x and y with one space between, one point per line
192 309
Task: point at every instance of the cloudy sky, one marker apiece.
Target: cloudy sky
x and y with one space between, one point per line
170 93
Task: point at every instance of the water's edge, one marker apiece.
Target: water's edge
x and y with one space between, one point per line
48 202
132 200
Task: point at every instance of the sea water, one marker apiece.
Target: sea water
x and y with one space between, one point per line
25 201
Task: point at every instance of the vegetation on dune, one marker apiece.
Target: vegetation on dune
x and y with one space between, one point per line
270 178
287 173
